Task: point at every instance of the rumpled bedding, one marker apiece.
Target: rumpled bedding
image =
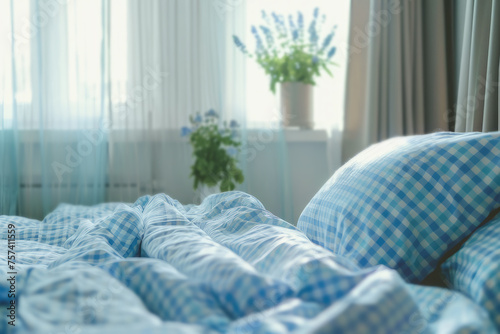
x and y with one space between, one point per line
225 266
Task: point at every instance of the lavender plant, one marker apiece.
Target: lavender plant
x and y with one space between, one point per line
289 53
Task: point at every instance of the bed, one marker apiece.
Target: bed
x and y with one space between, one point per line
355 263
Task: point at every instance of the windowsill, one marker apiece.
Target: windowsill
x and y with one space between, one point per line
298 135
290 135
263 135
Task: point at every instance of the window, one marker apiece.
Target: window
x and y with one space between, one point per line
52 62
14 67
263 106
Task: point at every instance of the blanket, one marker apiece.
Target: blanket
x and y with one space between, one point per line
225 266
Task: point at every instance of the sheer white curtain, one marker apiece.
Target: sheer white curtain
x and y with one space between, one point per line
53 78
91 109
180 60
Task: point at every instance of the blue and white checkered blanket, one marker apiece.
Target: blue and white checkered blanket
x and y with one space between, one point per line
227 265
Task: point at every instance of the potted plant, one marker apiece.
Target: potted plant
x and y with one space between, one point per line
293 58
214 150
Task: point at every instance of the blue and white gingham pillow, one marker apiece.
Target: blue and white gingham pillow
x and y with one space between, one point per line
406 201
475 269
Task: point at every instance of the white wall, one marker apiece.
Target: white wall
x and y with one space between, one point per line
307 161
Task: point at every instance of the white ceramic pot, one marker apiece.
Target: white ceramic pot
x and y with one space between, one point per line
297 105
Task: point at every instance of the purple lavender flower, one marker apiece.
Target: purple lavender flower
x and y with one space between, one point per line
211 113
293 28
315 60
269 36
239 44
266 18
291 23
277 23
313 35
331 52
300 21
316 12
233 124
258 40
185 131
198 118
282 24
231 151
327 41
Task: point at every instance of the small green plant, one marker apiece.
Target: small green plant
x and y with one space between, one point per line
214 149
284 52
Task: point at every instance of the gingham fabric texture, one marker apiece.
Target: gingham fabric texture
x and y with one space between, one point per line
406 201
225 266
475 269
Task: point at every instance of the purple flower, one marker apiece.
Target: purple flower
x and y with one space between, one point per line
282 23
239 44
211 113
198 119
260 46
327 40
231 151
331 52
233 124
277 22
316 12
315 59
313 35
293 28
300 20
185 131
269 36
291 23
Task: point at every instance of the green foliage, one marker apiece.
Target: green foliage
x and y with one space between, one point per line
296 66
214 150
285 52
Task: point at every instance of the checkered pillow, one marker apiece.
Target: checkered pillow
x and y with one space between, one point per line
406 201
475 269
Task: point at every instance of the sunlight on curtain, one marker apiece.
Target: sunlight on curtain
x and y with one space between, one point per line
94 94
175 66
9 185
54 71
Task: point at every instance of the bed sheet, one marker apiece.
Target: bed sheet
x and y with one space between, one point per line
225 266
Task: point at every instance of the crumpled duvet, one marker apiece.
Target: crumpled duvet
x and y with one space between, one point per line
225 266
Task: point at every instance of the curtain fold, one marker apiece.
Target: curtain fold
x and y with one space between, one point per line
396 77
53 145
177 65
68 85
477 107
9 178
